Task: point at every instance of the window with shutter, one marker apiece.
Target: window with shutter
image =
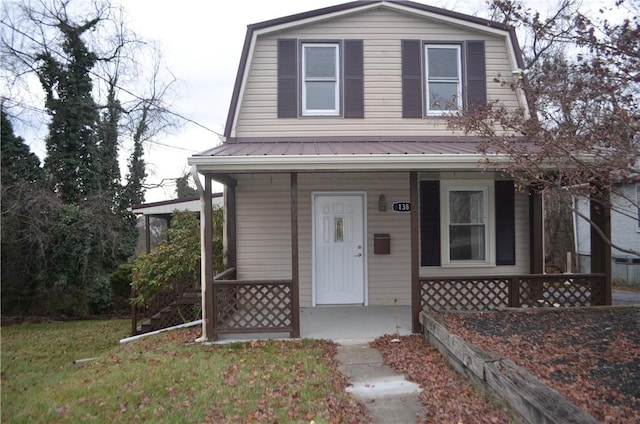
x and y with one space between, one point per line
320 78
457 223
440 78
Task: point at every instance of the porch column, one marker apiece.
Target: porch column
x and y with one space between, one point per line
147 233
295 277
208 310
600 215
536 232
230 224
416 301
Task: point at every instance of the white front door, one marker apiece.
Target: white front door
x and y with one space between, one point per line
339 249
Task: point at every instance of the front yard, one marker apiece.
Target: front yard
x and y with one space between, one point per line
591 356
165 378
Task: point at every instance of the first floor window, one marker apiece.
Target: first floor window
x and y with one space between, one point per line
320 73
467 228
443 77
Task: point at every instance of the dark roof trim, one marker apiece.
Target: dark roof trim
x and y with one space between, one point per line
343 7
171 202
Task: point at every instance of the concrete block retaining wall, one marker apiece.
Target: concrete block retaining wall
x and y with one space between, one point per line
536 402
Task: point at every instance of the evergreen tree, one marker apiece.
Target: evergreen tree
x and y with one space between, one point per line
18 163
72 141
183 189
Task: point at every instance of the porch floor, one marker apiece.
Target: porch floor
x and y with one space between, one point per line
342 323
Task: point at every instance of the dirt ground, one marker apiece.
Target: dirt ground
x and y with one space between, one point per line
590 355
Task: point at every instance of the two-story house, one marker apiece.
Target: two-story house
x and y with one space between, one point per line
344 183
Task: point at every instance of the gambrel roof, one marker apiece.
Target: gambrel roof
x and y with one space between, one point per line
405 6
365 152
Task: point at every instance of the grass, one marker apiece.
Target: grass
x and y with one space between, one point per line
164 378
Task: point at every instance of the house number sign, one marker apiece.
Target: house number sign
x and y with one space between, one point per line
401 206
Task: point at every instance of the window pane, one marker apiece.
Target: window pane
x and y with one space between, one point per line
338 224
466 207
321 95
466 242
443 96
320 62
443 63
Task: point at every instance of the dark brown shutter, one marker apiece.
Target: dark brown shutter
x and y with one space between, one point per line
430 223
505 223
353 79
411 79
287 79
476 74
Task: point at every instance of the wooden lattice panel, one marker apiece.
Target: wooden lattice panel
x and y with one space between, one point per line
487 293
253 306
464 294
559 291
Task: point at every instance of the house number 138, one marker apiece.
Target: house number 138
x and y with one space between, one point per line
401 206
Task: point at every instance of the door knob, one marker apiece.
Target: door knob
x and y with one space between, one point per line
358 255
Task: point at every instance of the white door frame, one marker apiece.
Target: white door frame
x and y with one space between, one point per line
363 196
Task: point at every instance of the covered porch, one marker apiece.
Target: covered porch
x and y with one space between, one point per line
235 308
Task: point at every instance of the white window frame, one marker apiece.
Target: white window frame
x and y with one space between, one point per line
638 206
488 190
428 80
321 112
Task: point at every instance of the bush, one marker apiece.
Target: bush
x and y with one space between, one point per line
100 296
120 281
177 261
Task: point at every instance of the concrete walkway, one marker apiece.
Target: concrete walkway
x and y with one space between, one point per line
625 298
387 395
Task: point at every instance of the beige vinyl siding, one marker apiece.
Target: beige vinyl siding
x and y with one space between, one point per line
264 227
381 32
264 232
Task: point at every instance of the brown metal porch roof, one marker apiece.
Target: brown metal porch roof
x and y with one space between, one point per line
358 147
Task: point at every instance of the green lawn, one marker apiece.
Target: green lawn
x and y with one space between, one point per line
165 378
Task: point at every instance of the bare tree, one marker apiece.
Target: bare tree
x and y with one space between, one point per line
582 76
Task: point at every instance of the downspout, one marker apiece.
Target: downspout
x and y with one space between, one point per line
203 283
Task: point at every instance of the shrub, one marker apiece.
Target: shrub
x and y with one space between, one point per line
176 261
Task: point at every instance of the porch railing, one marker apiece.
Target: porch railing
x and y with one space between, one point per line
174 306
251 306
495 292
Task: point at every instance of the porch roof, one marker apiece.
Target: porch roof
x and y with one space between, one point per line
348 153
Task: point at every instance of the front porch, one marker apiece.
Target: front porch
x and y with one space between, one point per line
341 323
268 299
246 309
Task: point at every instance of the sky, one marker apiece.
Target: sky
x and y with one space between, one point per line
201 42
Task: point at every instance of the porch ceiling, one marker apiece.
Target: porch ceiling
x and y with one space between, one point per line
345 154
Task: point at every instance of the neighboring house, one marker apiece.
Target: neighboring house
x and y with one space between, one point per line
625 233
344 184
163 210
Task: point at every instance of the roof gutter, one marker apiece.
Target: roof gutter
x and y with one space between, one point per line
373 162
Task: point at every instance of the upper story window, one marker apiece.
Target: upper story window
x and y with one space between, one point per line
443 72
442 77
320 79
